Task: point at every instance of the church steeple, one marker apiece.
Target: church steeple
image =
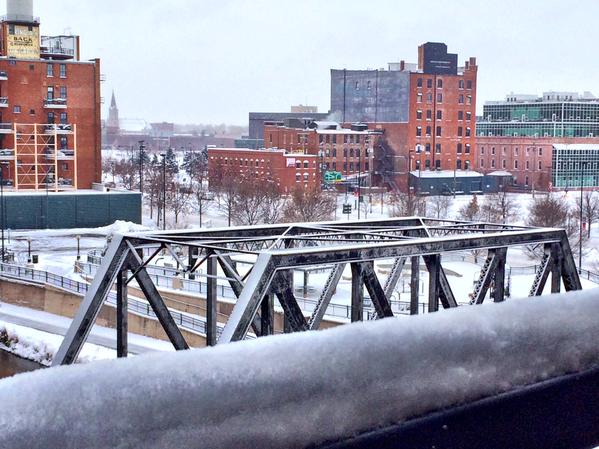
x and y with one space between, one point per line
112 124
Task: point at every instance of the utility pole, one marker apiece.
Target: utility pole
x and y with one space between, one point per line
142 149
582 167
163 191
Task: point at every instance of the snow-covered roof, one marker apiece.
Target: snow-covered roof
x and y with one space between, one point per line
499 173
310 386
446 174
576 146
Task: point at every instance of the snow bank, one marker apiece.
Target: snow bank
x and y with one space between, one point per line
41 346
118 227
288 391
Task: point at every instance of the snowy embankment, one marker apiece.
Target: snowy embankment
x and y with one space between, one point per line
291 390
40 346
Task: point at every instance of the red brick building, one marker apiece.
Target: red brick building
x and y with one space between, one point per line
286 170
528 159
347 150
49 109
426 112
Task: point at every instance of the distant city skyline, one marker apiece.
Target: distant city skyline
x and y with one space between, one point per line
214 61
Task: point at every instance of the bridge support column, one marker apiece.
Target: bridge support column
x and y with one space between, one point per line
267 315
122 309
357 292
414 284
434 268
211 300
556 268
499 290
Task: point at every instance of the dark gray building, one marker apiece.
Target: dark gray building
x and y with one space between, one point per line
370 95
257 120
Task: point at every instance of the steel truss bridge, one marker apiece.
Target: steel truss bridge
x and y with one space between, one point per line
277 250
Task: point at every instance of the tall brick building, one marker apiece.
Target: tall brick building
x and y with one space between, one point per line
49 107
426 112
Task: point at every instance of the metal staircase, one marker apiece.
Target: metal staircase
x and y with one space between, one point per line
540 275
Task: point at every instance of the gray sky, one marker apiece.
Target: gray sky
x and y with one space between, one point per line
213 61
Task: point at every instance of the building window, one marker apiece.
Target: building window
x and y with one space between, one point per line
419 82
515 165
63 143
16 109
63 93
351 166
459 148
540 151
438 131
417 165
468 115
31 111
345 152
368 85
429 114
504 151
467 165
468 131
458 164
429 83
516 151
418 115
357 85
427 163
482 150
493 151
467 148
65 166
429 98
540 165
50 93
439 83
503 164
306 164
469 99
526 181
460 115
461 99
439 98
419 98
459 131
12 61
527 166
334 152
439 115
461 84
482 163
49 70
469 84
50 117
63 70
63 119
438 148
493 163
437 164
427 147
418 131
428 131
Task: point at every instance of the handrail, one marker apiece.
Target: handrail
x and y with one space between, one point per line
185 321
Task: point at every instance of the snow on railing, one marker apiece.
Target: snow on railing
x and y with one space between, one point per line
312 387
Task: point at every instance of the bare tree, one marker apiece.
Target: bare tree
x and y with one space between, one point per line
178 199
309 204
440 205
470 211
224 182
590 209
499 207
202 196
407 204
256 201
550 211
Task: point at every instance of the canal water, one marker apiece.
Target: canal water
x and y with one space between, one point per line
11 364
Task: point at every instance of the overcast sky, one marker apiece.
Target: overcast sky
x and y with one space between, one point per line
213 61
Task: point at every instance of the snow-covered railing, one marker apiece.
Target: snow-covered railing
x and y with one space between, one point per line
184 320
165 277
522 373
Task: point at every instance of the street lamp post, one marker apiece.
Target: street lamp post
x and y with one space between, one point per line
78 237
582 167
163 190
28 249
142 148
3 214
